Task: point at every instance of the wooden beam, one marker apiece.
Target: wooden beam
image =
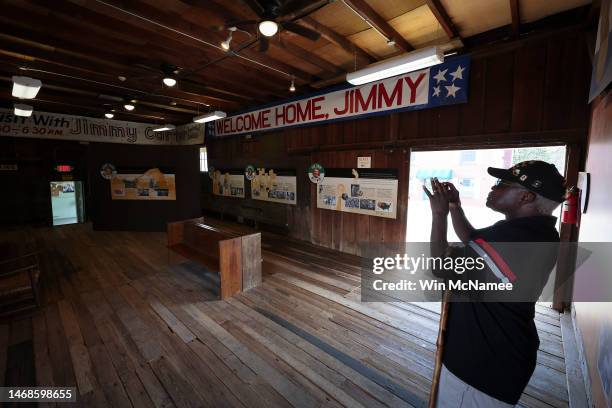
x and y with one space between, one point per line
440 13
105 80
307 56
174 26
332 36
365 11
516 17
94 100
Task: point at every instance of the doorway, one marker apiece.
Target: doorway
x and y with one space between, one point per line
467 170
67 202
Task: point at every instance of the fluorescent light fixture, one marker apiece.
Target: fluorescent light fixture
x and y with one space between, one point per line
129 107
164 128
268 28
109 115
23 110
169 81
209 117
25 87
401 64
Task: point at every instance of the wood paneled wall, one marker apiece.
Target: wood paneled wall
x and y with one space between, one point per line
525 92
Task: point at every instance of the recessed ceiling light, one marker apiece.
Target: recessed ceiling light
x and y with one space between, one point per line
169 81
173 103
268 28
129 106
121 78
109 115
23 110
25 87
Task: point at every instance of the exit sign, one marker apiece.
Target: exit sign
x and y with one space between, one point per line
64 168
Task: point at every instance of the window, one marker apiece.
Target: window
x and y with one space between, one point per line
468 156
203 160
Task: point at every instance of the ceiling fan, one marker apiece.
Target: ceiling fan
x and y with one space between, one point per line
278 14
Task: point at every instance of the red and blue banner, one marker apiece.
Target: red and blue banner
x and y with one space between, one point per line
442 84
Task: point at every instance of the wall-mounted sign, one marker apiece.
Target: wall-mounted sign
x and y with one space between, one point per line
278 186
8 167
228 183
369 191
364 162
43 125
149 185
443 84
108 171
316 173
249 172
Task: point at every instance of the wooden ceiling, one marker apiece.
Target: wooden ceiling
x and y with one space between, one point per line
80 48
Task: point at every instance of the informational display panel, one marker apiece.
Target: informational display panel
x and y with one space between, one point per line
152 184
361 191
228 183
278 186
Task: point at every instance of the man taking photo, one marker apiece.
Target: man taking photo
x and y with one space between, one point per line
491 347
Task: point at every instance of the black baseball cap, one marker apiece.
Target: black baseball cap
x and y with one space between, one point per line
535 175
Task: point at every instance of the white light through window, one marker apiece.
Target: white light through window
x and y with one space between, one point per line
203 160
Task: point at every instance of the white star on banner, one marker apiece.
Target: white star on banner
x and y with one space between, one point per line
440 76
436 91
452 90
458 73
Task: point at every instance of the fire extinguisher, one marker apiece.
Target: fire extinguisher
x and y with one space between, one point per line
571 206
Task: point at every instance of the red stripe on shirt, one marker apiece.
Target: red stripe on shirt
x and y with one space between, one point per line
499 261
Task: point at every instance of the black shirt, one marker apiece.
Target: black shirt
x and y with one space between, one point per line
493 346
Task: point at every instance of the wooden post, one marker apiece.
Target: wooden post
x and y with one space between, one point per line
435 382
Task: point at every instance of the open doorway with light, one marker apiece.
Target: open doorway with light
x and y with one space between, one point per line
467 170
67 202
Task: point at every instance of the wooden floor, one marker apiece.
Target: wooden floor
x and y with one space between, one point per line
131 325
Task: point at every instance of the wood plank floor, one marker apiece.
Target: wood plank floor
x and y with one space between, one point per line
130 324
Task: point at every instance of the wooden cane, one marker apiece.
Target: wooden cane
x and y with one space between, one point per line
435 382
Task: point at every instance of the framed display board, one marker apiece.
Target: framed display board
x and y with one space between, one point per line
362 191
275 185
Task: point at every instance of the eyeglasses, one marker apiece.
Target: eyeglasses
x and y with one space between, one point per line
505 183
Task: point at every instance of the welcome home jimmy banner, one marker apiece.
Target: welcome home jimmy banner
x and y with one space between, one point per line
442 84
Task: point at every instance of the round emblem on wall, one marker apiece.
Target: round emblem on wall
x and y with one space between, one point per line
108 171
250 171
316 173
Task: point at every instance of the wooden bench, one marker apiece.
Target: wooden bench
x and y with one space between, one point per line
19 276
235 256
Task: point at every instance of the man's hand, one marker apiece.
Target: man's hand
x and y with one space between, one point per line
439 197
452 194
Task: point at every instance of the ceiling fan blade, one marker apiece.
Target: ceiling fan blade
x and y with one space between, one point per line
256 6
301 30
293 6
264 44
